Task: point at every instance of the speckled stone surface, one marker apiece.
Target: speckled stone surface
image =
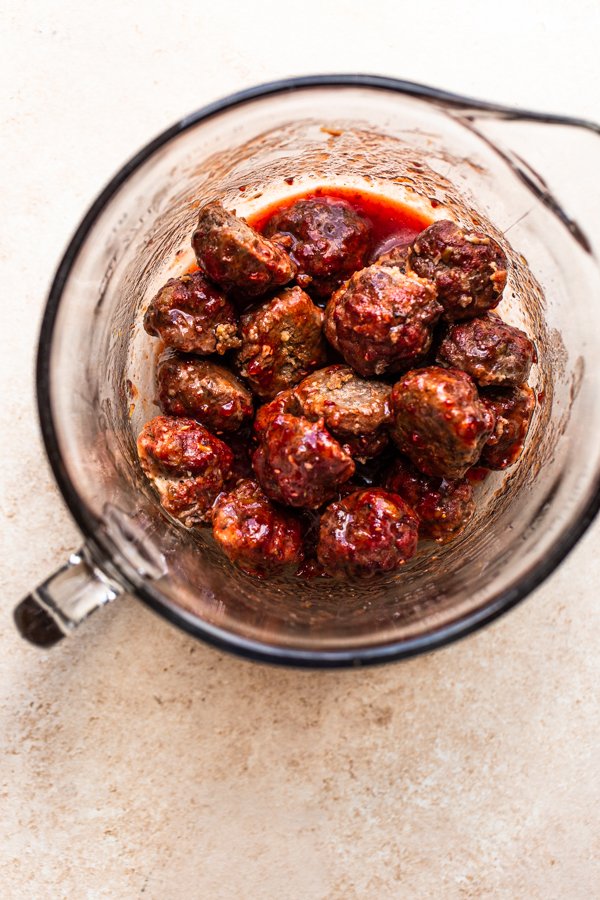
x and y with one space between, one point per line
136 761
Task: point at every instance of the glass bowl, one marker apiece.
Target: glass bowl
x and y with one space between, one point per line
442 154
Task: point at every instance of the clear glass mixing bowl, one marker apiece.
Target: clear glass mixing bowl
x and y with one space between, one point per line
444 154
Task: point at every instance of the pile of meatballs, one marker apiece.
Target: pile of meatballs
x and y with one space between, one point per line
352 396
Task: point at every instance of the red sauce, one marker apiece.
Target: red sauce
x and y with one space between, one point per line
389 218
392 222
477 474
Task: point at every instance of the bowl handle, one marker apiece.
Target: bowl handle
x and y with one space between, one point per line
64 600
556 157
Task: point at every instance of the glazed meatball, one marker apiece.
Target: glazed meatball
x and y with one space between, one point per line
235 256
256 536
443 506
192 315
439 422
282 341
513 409
210 393
489 350
187 465
395 256
367 533
355 411
285 402
467 267
382 320
327 240
299 463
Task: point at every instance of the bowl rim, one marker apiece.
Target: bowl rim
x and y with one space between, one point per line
88 523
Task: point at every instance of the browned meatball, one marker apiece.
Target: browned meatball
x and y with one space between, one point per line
284 402
439 421
489 350
192 315
382 320
282 341
235 256
255 535
187 465
513 409
443 506
355 411
203 390
327 240
367 533
468 268
395 256
299 463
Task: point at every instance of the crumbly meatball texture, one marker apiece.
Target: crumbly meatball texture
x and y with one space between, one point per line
203 390
326 239
439 422
282 341
443 506
235 256
489 350
367 533
255 535
192 315
188 466
382 320
395 256
355 411
299 463
467 267
513 410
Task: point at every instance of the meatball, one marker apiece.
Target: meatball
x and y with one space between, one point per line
395 256
367 533
327 240
513 409
285 402
443 506
187 465
467 267
299 463
192 315
382 320
489 350
282 341
203 390
354 410
256 536
235 256
439 422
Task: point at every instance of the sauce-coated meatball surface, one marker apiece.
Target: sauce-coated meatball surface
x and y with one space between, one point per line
327 240
443 506
467 267
439 421
299 463
192 315
395 256
282 341
188 466
255 535
489 350
513 409
382 320
210 393
235 256
355 410
367 533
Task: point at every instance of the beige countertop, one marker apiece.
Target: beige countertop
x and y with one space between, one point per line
134 760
